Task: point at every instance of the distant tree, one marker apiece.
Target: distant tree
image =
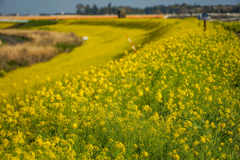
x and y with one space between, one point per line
159 11
104 10
80 8
87 9
176 8
114 10
236 9
109 8
147 10
167 10
95 9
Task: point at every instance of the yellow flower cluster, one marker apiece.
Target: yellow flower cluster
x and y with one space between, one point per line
177 97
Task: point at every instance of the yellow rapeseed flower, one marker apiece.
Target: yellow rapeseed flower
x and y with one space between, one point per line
195 143
74 125
145 154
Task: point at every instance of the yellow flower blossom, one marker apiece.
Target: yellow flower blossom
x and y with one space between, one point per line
145 154
203 139
195 143
75 125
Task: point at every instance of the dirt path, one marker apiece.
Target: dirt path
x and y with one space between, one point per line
11 40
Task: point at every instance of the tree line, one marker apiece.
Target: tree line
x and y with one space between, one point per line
159 9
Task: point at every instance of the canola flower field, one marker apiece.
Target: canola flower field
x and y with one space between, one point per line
108 40
6 24
176 98
234 26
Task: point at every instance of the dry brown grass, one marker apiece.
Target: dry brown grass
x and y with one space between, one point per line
41 47
41 37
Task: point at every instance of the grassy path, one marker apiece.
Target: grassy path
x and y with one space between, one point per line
105 43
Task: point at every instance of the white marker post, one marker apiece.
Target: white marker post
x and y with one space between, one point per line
131 44
85 38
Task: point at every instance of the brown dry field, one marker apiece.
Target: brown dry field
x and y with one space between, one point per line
41 47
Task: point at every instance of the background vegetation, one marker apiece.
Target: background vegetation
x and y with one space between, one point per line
159 9
235 26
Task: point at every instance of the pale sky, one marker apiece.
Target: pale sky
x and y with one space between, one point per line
57 6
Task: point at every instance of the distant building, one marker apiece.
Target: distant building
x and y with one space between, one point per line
33 15
68 13
14 14
44 14
1 14
24 15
